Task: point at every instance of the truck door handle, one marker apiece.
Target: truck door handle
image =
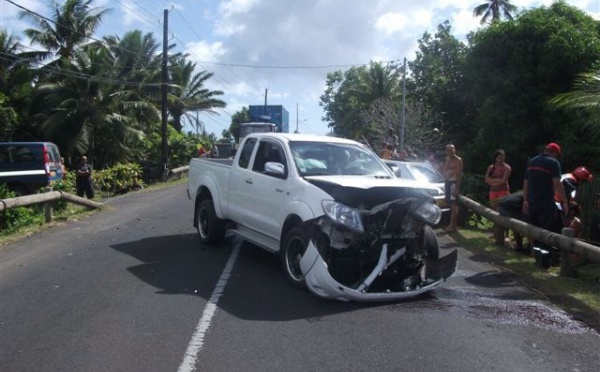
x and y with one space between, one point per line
279 190
249 181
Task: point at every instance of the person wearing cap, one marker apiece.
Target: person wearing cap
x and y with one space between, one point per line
541 182
572 180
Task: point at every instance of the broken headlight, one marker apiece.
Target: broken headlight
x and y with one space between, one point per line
343 215
429 213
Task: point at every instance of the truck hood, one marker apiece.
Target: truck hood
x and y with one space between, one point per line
366 182
368 192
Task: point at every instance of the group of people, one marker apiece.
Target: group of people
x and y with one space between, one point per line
546 200
208 151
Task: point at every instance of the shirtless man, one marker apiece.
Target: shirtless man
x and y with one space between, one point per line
453 169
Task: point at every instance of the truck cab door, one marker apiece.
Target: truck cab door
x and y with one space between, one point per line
238 182
266 191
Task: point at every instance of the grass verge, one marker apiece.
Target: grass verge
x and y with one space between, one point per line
579 296
72 212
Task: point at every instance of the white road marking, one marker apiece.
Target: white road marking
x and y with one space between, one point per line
197 342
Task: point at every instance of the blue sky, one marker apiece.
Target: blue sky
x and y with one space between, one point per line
284 46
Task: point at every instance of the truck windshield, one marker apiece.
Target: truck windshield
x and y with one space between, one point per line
330 158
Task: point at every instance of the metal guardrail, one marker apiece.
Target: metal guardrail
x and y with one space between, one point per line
564 243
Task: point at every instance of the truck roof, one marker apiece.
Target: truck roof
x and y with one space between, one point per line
302 137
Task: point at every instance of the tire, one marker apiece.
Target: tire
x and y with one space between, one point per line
293 248
432 248
211 229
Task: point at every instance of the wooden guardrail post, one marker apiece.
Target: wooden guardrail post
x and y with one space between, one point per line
48 206
566 266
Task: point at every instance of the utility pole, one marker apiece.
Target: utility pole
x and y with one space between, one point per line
165 77
403 114
297 117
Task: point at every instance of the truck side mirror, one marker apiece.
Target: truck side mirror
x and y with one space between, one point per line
275 169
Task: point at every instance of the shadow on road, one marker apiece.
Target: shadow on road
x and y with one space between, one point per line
256 290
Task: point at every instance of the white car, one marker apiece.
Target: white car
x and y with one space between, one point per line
424 173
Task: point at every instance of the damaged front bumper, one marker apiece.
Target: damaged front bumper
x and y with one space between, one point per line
320 282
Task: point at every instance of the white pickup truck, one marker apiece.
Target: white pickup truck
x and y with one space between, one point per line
343 224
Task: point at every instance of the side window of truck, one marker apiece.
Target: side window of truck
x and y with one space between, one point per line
246 152
268 152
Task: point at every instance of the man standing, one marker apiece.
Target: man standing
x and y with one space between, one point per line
453 169
84 179
541 183
392 140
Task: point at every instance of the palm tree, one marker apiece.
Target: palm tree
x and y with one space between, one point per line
494 9
91 108
585 96
70 26
378 81
189 94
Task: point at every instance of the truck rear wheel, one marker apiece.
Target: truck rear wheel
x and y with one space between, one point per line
211 229
293 248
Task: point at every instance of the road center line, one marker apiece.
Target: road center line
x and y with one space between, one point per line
191 354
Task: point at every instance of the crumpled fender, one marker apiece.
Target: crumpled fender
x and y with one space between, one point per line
322 284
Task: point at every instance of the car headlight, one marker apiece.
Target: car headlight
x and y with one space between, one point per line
429 213
343 215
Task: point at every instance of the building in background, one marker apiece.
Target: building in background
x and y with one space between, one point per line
275 114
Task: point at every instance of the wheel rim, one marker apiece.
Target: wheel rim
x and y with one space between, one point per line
294 253
203 223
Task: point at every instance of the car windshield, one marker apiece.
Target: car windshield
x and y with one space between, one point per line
424 173
331 158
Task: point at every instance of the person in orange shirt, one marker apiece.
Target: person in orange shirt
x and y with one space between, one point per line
496 176
387 152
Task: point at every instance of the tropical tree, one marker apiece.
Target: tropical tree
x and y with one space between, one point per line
16 76
242 116
90 109
188 92
71 26
137 63
437 83
494 10
584 101
525 64
349 92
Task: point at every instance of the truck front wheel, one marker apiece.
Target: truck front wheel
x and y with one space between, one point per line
211 229
294 247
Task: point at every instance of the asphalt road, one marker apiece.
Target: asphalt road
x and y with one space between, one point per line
130 288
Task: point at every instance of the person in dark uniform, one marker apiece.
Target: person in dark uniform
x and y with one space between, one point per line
84 179
541 183
512 206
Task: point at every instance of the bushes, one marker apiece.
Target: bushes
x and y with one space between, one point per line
13 219
119 179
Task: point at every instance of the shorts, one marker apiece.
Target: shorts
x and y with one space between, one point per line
449 186
495 197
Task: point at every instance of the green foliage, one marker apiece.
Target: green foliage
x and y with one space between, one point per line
480 223
67 184
349 93
118 179
8 118
512 70
437 81
13 219
238 118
